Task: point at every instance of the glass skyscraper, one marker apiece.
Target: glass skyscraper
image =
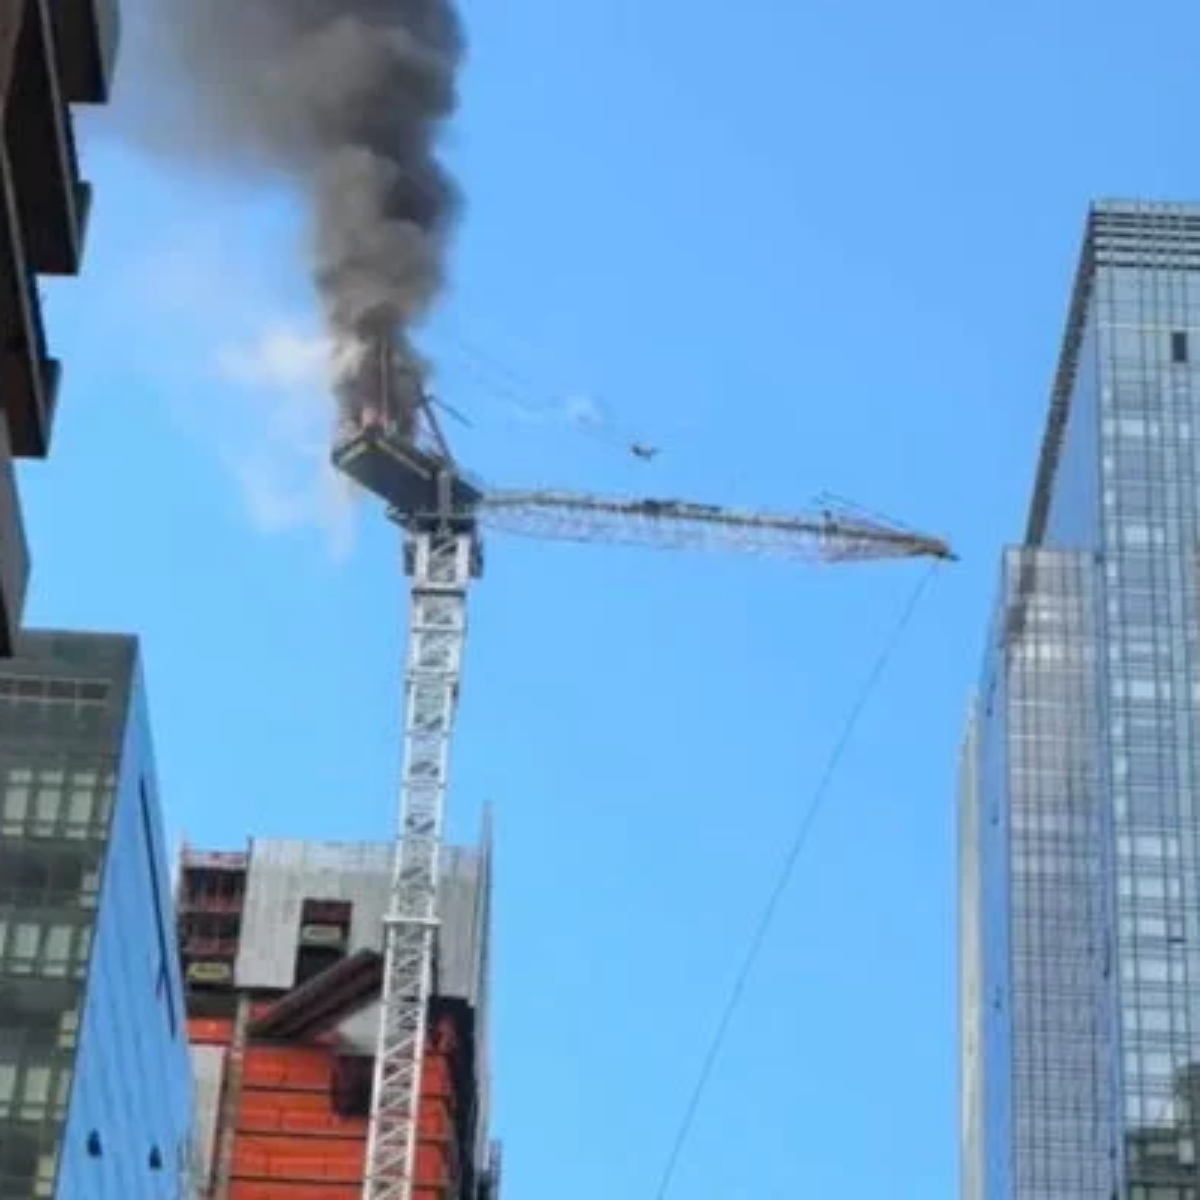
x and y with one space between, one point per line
1080 773
95 1083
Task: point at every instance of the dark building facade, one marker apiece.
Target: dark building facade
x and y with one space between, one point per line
95 1081
53 53
1080 781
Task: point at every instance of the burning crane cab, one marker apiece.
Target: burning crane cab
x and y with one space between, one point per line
379 450
412 482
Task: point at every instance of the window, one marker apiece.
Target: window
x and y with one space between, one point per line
24 940
16 804
80 811
37 1090
68 1028
46 1170
47 807
1148 970
83 947
1179 347
1156 1020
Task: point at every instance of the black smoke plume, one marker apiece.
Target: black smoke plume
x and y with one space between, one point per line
346 99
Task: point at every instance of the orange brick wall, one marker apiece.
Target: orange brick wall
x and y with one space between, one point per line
291 1145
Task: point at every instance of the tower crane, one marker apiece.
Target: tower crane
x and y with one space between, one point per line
395 449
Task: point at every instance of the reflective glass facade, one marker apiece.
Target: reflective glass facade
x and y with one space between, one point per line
1080 800
95 1087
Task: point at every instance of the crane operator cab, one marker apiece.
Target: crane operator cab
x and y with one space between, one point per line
378 446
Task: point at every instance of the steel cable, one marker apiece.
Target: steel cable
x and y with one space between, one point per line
779 887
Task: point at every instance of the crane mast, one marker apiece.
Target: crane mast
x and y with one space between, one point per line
441 562
440 511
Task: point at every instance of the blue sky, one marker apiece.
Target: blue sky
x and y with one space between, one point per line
804 248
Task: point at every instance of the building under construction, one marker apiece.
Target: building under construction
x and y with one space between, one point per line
281 952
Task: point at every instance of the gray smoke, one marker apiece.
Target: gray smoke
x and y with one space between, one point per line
344 98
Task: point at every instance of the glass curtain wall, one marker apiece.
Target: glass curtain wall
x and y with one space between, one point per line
1081 871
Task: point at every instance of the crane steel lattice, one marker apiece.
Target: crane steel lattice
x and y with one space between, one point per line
441 512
